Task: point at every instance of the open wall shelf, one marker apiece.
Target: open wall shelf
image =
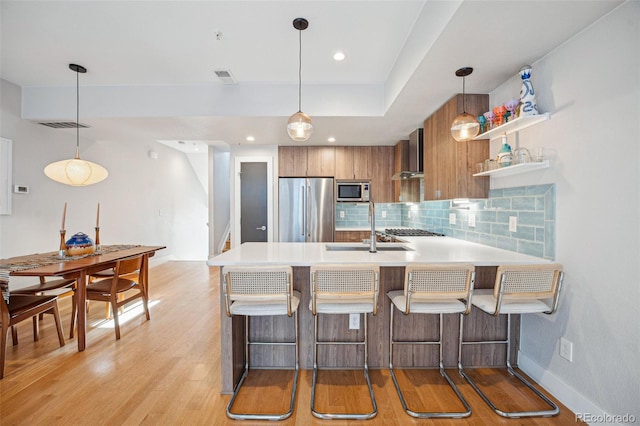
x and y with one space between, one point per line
515 169
513 126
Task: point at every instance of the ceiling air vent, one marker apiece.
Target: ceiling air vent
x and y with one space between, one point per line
225 76
63 124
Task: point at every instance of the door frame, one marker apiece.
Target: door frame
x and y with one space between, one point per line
235 240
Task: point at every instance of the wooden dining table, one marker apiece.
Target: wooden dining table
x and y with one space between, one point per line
79 269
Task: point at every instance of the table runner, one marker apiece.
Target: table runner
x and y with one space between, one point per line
44 259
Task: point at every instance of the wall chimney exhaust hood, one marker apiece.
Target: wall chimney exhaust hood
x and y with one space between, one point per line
412 157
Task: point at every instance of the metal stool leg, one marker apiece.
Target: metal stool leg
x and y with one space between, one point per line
249 416
425 414
341 416
510 414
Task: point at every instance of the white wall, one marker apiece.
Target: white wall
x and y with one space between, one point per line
220 214
590 86
143 201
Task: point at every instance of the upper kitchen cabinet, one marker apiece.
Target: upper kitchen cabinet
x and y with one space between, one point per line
381 172
362 162
373 163
404 190
344 163
297 161
449 165
321 161
292 161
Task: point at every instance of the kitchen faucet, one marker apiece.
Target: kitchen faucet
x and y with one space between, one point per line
372 220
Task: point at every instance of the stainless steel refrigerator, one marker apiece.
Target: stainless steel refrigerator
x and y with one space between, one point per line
306 210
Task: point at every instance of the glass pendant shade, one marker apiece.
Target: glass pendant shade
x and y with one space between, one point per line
299 127
465 127
76 172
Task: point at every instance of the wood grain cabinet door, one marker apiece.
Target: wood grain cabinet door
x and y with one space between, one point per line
448 164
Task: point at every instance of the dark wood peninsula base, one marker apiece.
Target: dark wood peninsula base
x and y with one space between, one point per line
337 326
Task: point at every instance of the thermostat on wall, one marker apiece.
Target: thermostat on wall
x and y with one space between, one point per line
20 189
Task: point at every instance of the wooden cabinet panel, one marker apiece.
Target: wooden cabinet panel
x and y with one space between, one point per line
382 160
406 189
449 165
351 236
321 161
344 162
292 161
362 162
373 163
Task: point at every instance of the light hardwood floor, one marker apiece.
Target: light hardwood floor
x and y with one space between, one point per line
167 371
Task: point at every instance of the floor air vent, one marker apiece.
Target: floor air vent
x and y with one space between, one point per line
63 125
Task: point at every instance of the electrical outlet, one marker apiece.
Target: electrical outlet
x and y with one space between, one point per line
409 214
341 214
384 214
472 220
452 218
566 349
513 223
354 321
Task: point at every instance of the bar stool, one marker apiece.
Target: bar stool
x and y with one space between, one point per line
261 291
519 289
433 290
343 289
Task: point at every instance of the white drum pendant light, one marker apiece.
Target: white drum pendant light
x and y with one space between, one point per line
299 126
75 171
465 126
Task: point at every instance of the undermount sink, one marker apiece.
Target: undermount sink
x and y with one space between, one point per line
362 247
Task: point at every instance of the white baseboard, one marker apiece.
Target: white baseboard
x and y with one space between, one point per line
567 395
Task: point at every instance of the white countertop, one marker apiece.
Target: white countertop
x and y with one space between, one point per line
424 249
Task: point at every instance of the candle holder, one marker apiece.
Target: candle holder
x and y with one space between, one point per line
97 241
63 244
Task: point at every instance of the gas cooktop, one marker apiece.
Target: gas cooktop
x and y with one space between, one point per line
411 232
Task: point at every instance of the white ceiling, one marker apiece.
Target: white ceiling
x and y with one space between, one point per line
150 63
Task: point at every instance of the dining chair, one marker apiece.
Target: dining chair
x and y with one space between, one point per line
432 289
121 282
518 289
60 287
343 289
261 291
108 273
21 307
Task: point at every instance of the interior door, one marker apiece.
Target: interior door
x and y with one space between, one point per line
253 202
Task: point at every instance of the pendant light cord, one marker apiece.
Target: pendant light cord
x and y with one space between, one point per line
77 114
299 70
464 106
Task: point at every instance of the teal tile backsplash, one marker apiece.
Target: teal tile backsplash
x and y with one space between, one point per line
534 206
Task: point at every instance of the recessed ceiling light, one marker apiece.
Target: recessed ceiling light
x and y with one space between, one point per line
339 56
331 139
250 139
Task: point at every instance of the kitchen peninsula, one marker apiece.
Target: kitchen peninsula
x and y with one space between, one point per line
392 262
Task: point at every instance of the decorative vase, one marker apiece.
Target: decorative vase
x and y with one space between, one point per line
80 244
528 104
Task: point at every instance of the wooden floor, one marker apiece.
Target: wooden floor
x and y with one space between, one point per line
167 372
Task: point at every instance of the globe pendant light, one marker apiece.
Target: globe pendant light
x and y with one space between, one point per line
75 171
465 126
299 126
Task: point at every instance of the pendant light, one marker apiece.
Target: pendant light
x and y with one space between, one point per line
299 126
465 126
76 172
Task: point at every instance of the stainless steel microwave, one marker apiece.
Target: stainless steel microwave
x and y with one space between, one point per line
352 191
